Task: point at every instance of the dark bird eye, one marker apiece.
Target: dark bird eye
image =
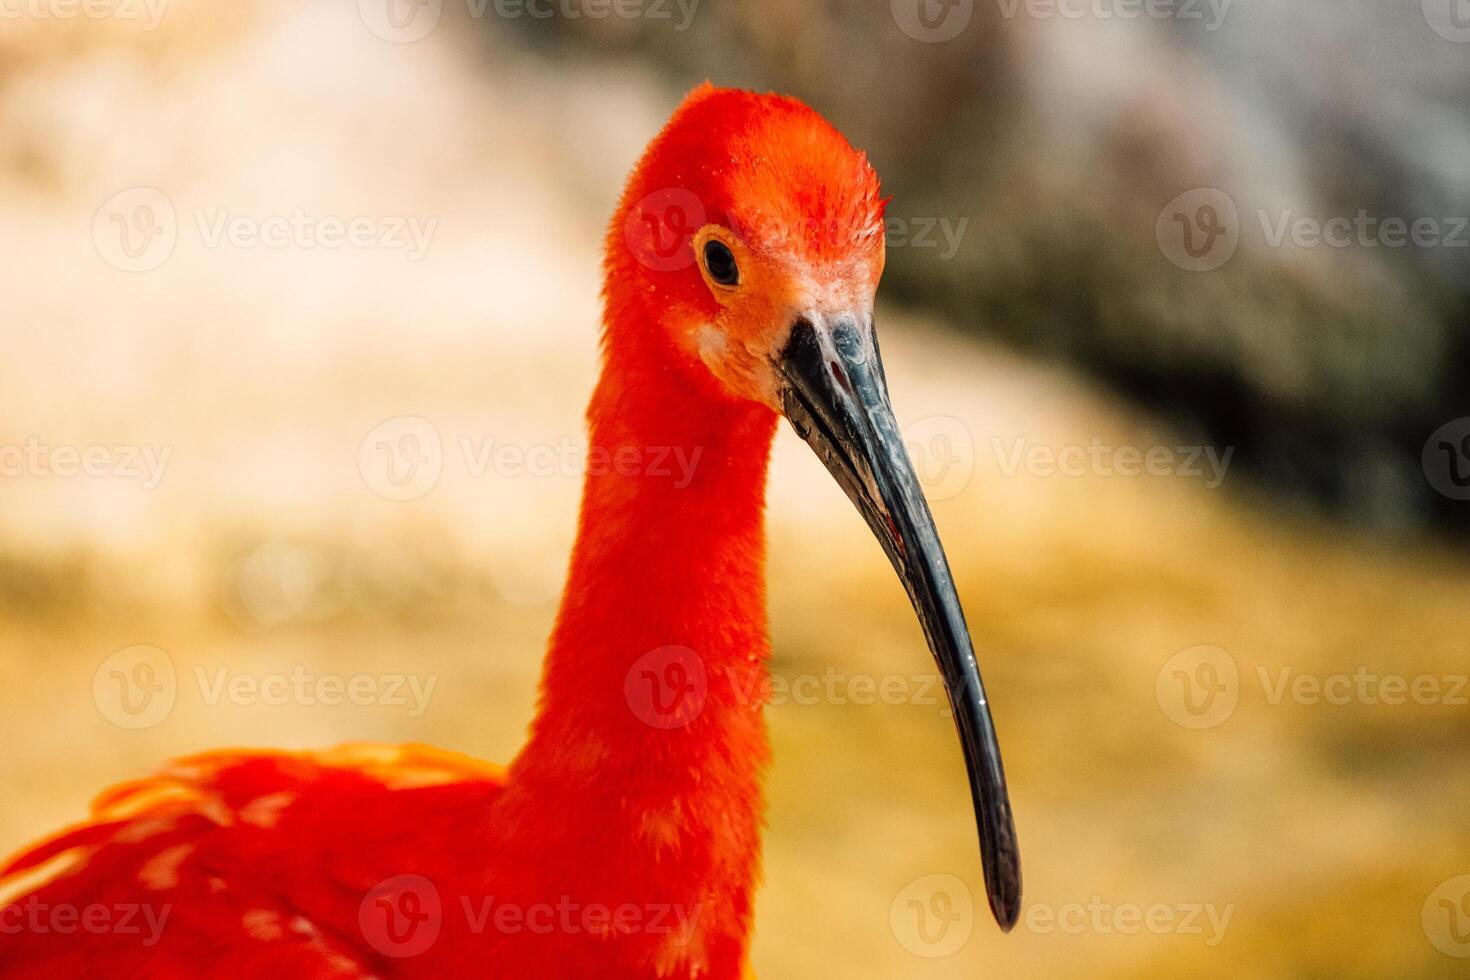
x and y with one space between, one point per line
720 263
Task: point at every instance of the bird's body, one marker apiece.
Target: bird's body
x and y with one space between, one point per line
624 839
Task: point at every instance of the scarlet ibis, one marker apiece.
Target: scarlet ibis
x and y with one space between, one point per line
624 839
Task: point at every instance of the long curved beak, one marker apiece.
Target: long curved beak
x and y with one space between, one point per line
835 396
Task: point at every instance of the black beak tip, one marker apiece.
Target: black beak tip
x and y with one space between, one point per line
1002 867
1005 905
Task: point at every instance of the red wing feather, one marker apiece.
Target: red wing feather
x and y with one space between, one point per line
235 863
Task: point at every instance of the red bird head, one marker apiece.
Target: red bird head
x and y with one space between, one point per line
741 267
746 212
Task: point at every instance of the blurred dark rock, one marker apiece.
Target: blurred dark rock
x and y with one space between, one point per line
1048 148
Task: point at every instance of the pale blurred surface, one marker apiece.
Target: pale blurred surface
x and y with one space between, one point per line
1325 832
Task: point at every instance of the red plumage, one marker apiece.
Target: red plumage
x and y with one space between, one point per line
411 862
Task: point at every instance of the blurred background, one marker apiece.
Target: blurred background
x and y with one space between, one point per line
1175 318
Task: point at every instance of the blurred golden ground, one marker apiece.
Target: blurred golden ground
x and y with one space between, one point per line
1325 827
